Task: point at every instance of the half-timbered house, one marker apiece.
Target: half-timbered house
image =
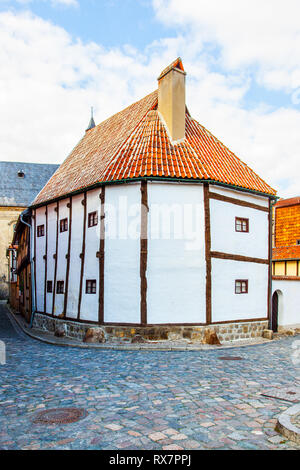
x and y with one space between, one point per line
151 223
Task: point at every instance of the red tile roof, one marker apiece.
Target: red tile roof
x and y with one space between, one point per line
134 143
286 252
288 202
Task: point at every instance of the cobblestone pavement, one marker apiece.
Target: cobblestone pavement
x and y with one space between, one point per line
142 399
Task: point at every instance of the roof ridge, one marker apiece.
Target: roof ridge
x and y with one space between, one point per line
124 109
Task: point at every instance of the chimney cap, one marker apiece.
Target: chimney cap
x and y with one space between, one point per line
175 65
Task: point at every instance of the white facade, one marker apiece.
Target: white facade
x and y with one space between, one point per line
288 302
228 305
176 255
122 254
75 260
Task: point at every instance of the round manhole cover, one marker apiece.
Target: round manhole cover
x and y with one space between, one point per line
230 358
60 416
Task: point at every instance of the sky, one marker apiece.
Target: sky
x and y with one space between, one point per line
60 57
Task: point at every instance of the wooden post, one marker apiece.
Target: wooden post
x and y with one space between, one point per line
207 251
144 251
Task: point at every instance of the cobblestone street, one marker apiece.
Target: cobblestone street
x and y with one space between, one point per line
142 399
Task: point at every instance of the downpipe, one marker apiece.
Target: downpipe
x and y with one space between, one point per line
31 272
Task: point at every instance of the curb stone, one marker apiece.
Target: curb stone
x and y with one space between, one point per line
67 342
284 425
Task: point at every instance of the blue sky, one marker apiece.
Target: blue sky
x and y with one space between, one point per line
59 57
109 22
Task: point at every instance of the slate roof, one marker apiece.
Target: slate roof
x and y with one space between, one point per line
286 252
134 143
20 192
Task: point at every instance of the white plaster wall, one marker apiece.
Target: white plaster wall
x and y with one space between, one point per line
226 305
122 254
40 262
89 302
62 250
241 195
224 238
176 261
289 302
52 217
75 260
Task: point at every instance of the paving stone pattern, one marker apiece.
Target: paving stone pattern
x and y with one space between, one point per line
142 399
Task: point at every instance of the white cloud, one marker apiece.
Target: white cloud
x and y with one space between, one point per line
251 33
66 3
48 81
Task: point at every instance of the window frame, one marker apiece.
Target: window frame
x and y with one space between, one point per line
63 225
40 231
60 286
242 220
92 219
90 286
49 287
241 281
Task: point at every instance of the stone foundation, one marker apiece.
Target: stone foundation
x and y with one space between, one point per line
226 331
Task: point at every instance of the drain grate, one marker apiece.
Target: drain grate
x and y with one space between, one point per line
60 416
230 358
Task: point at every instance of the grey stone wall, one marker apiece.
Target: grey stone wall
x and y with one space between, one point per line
226 332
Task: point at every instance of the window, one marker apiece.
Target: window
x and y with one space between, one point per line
241 286
92 219
90 287
241 225
49 287
298 242
60 287
40 230
63 225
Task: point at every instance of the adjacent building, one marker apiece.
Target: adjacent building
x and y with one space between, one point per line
286 264
19 184
152 223
20 297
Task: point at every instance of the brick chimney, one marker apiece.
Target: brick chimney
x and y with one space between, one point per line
171 99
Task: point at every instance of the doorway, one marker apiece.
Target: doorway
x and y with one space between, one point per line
274 324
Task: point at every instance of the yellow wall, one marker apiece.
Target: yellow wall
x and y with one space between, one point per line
8 217
288 268
279 268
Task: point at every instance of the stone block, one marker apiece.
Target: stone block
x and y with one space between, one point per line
94 335
60 330
210 337
138 339
172 336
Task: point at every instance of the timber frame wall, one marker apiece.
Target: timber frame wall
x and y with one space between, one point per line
209 255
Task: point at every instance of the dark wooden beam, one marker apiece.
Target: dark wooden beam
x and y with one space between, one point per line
207 252
101 257
68 255
238 202
231 256
56 209
46 260
82 255
144 252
